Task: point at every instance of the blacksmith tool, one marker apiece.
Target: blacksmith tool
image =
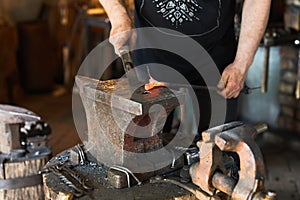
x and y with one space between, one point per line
210 173
154 83
128 67
72 179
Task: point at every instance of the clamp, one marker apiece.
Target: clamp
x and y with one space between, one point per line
210 173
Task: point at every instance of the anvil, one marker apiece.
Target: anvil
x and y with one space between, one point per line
120 122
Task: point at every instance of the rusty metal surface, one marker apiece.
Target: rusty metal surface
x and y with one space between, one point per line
114 117
240 140
202 172
209 174
223 183
99 178
210 158
94 90
116 93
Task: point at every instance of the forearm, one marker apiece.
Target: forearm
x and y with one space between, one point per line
254 21
116 10
122 29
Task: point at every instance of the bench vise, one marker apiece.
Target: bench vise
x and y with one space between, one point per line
232 142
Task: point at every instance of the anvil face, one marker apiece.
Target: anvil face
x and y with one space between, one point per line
119 88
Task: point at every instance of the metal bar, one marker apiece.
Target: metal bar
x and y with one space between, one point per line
265 74
245 89
223 183
65 178
297 92
81 154
261 127
124 171
76 176
15 183
2 170
130 172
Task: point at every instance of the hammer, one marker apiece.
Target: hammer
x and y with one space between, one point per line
128 67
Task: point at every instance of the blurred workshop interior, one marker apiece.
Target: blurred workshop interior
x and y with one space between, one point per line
44 43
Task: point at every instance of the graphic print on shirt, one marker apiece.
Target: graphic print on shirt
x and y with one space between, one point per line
178 11
191 17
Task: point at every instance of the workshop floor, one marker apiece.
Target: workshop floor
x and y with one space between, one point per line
281 156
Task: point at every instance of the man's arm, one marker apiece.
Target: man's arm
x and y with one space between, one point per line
121 25
254 21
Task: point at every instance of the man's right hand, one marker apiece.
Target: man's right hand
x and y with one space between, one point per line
122 30
123 33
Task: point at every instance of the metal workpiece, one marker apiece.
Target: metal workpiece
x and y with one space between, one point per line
211 175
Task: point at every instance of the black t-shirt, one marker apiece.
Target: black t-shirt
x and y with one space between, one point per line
209 22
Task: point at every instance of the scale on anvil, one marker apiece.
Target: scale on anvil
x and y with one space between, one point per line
115 111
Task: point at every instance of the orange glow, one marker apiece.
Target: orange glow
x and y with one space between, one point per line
153 83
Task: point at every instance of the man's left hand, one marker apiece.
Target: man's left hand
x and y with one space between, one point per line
232 81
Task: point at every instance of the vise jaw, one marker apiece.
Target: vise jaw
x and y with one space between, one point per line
210 173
